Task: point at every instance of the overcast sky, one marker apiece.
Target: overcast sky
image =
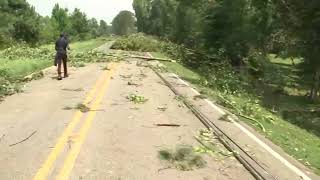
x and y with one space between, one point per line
100 9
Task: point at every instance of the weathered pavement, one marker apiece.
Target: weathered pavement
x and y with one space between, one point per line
116 140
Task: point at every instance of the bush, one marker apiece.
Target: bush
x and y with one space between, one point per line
137 42
24 51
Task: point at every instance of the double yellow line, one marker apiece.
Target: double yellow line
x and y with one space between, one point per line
99 88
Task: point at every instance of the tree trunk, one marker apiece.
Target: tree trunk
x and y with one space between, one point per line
292 60
316 85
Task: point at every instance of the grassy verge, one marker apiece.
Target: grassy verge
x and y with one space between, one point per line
20 61
82 46
298 142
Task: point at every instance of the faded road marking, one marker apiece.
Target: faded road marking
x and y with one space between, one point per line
74 152
46 167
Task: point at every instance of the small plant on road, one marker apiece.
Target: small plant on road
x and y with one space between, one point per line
81 107
137 99
183 158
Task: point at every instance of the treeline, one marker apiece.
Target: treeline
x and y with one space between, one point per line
20 22
124 23
242 32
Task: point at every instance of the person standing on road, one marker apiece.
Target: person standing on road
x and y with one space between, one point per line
61 47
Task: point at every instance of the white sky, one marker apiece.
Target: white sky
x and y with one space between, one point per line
99 9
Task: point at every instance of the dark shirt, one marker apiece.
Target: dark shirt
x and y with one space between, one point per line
61 45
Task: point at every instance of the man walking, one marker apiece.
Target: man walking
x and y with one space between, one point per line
62 45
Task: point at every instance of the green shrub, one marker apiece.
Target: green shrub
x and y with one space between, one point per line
137 42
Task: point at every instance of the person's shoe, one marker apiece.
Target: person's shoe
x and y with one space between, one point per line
66 76
59 78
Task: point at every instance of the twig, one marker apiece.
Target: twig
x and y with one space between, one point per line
23 139
238 113
168 125
76 90
151 58
249 118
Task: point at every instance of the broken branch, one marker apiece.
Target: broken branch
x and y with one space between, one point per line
24 139
168 125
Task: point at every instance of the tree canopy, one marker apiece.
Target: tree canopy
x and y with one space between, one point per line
123 23
240 29
20 22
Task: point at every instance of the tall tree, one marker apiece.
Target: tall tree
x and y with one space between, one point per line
79 24
19 21
142 11
60 15
301 19
103 28
226 28
162 17
93 26
26 27
123 23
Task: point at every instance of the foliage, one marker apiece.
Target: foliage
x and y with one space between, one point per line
210 144
239 30
21 60
20 22
183 158
79 58
79 24
103 29
281 127
301 20
24 51
136 42
61 18
123 23
137 99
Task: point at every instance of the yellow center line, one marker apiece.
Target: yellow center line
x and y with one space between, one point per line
44 171
76 147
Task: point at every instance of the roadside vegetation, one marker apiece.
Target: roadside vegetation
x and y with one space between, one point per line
21 60
259 59
27 40
278 107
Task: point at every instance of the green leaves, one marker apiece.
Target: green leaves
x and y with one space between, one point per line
183 158
137 99
24 51
123 23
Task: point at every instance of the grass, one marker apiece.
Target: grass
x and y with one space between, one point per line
295 139
19 68
82 46
14 69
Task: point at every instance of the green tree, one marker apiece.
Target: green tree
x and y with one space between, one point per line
123 23
142 11
18 21
189 22
48 30
26 28
103 28
301 20
162 18
226 28
93 26
61 17
79 24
